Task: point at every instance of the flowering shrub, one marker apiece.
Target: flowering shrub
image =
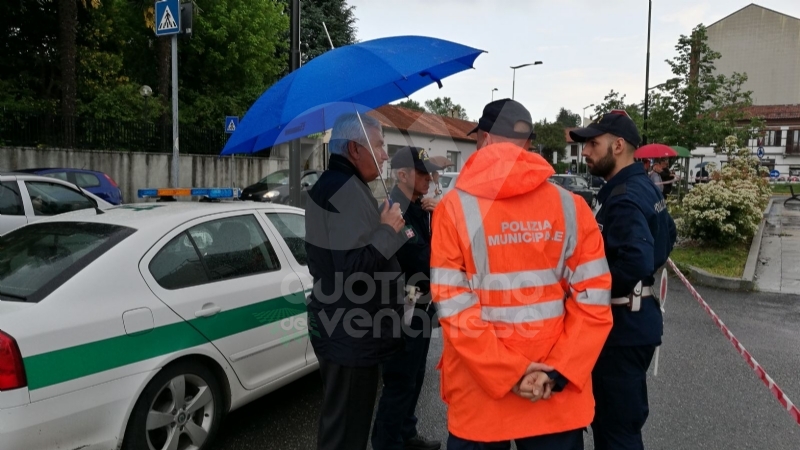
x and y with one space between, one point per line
728 208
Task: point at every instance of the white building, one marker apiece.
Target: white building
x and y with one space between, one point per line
780 143
764 44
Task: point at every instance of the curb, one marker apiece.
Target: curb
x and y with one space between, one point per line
747 282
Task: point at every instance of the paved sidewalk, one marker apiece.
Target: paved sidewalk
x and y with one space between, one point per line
778 267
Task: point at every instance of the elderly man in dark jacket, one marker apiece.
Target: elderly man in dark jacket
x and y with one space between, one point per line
355 309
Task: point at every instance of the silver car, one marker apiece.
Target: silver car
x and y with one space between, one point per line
26 198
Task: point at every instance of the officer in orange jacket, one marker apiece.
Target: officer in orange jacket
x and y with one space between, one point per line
520 278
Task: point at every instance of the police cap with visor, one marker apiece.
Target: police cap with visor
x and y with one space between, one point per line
616 122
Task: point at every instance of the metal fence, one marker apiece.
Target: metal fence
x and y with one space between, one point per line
43 130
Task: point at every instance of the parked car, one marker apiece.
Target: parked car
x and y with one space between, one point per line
98 183
26 198
577 185
142 327
274 188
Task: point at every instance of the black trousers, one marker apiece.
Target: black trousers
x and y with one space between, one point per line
619 381
403 376
347 406
568 440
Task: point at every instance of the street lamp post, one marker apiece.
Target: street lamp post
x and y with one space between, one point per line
495 89
514 68
647 74
580 155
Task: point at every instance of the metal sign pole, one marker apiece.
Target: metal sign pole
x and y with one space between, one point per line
175 147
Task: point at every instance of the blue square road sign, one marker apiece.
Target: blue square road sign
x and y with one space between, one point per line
231 124
168 17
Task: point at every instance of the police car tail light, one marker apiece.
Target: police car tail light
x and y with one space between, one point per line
213 193
12 371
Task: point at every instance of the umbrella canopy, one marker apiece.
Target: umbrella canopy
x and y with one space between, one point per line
357 77
702 164
655 151
682 152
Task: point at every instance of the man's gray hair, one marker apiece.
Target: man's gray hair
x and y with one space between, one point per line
348 128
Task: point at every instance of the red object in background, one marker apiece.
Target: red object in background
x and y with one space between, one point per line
111 180
655 151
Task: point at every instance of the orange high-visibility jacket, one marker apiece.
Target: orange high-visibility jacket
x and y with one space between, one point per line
519 275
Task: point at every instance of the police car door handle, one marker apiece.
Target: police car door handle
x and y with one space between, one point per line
208 310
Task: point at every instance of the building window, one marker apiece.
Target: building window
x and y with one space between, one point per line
391 150
454 158
771 138
574 150
793 142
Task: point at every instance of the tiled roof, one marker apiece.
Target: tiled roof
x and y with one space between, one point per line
403 119
774 112
566 133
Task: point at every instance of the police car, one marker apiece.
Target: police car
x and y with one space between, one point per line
142 325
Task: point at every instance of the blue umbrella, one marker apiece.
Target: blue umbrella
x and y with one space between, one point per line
354 78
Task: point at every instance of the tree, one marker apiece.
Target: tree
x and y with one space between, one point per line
444 106
230 62
411 104
338 17
29 57
568 118
550 139
67 27
614 101
699 108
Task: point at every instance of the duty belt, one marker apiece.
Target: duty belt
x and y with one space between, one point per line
634 300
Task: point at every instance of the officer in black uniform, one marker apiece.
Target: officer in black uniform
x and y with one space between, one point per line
638 234
395 425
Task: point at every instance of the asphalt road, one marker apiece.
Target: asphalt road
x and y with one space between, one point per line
704 397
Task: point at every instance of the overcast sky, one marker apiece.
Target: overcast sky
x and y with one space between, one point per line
587 47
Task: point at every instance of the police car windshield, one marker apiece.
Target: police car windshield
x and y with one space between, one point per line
38 258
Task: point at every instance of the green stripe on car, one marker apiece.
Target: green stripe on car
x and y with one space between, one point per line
59 366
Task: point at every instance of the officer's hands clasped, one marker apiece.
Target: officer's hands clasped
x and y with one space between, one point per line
535 385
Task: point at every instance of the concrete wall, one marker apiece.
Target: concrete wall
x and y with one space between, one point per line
765 45
134 171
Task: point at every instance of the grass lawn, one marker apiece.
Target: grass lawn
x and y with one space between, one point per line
784 188
726 261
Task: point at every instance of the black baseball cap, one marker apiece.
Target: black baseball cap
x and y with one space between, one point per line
616 122
500 116
416 157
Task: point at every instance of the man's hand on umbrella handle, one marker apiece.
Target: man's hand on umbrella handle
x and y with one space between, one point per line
392 216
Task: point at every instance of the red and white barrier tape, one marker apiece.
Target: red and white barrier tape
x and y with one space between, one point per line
760 372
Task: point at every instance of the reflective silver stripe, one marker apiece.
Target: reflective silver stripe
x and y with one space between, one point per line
515 280
449 277
457 304
600 297
587 271
522 314
477 238
570 232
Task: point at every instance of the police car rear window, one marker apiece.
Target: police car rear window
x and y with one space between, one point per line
36 259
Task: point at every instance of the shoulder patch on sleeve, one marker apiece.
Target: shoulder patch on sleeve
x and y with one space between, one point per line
619 190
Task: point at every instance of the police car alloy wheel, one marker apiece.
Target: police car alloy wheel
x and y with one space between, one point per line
180 409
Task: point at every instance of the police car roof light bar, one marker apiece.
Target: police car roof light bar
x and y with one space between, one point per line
213 193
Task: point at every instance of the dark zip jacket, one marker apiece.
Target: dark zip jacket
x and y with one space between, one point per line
355 309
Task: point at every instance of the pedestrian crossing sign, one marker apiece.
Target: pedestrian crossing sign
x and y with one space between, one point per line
231 124
168 17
